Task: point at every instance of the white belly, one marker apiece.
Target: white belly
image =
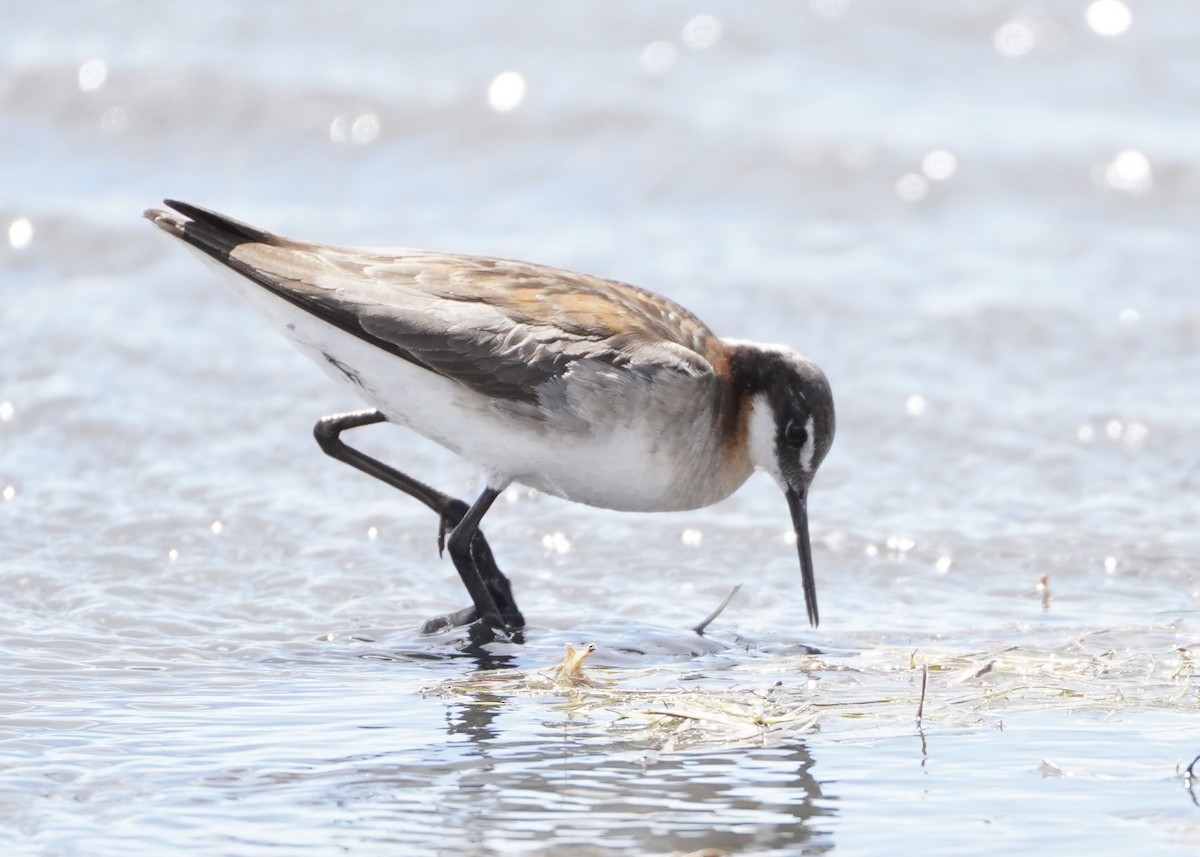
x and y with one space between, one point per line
621 449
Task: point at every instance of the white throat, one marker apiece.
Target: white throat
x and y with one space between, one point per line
760 439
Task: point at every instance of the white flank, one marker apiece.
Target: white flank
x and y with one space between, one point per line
597 437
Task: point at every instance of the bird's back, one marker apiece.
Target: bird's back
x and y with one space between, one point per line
574 384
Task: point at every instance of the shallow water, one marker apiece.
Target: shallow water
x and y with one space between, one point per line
977 217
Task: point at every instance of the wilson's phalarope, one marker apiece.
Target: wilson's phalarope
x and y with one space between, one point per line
587 389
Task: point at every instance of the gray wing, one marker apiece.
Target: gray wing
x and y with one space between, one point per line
504 329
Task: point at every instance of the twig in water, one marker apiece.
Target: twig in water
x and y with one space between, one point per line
924 683
984 670
1189 780
699 629
1187 477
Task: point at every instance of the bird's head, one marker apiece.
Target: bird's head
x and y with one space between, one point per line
790 429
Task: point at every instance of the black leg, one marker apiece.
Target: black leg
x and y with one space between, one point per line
327 431
475 563
485 562
461 543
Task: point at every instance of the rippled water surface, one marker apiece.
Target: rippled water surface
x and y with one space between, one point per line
978 217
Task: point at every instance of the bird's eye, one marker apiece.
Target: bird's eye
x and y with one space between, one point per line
795 434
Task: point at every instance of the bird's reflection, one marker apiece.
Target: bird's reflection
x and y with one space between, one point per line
574 783
522 767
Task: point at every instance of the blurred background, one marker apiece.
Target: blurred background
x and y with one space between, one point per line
976 216
979 217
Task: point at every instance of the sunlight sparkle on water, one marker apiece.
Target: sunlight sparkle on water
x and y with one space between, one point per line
658 56
506 91
20 233
1109 17
692 538
702 32
900 544
912 187
1136 434
915 405
92 75
556 543
1133 434
8 493
359 130
1129 171
939 165
365 129
1015 38
6 411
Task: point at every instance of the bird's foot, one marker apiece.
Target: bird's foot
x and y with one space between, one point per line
507 626
457 619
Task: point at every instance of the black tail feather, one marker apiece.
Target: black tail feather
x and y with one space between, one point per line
222 224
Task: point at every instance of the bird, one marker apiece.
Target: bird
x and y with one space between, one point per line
584 388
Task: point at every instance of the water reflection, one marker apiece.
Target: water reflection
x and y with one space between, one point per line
521 770
571 784
483 647
1189 780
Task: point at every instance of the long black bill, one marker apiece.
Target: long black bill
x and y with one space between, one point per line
798 504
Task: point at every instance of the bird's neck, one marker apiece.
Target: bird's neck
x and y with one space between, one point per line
752 366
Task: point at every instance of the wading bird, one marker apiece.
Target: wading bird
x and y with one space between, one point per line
588 389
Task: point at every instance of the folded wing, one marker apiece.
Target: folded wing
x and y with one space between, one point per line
504 329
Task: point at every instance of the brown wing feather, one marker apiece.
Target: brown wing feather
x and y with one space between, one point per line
500 327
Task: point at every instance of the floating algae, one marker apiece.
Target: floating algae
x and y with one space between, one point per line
892 689
670 717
